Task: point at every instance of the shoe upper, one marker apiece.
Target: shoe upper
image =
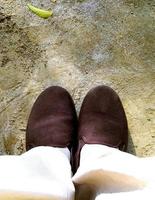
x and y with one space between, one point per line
52 121
102 118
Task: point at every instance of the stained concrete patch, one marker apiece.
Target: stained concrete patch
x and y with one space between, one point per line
84 44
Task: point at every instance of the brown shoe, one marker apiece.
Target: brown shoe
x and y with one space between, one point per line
102 120
52 121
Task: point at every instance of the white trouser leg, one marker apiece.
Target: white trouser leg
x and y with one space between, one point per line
107 173
41 173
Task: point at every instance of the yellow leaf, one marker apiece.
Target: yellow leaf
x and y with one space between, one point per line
40 12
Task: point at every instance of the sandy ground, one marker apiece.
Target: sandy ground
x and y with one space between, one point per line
85 43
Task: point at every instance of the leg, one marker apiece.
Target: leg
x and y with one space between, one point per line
44 171
33 175
106 172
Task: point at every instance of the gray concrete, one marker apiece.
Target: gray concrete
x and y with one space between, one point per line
84 44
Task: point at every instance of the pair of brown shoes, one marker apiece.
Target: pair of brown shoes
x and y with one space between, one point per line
53 121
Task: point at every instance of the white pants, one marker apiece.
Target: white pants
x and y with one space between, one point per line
44 173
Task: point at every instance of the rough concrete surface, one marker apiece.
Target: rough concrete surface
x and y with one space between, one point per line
84 44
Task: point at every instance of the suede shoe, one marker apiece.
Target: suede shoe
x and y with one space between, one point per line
53 120
102 120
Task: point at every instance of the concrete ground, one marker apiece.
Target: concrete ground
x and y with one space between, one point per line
84 44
